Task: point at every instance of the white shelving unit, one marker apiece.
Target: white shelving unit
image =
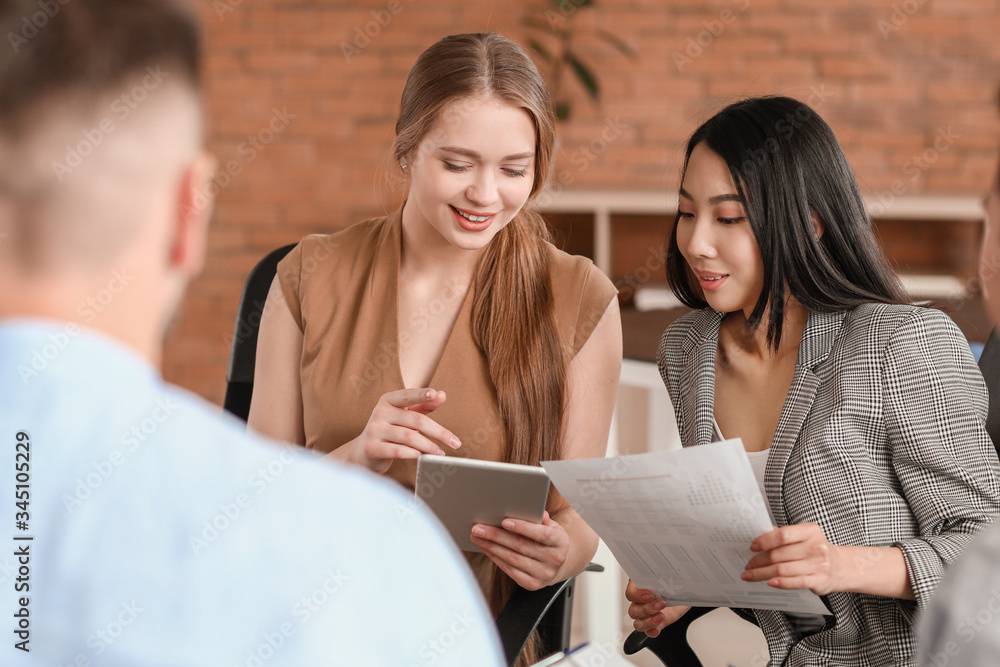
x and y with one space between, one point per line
602 204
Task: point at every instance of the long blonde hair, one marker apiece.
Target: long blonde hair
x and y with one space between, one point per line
513 318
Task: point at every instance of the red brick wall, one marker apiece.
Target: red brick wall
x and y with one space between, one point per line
891 76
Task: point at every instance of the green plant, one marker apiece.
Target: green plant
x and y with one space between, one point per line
560 25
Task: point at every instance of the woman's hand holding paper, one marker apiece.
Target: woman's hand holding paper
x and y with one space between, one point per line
800 556
649 613
797 556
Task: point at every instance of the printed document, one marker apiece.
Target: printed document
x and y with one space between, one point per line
680 523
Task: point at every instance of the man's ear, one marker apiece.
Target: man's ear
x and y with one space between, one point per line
195 202
817 224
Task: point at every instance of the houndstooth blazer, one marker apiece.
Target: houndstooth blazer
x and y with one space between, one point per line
881 442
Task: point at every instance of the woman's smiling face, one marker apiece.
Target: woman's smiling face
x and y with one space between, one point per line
472 173
715 237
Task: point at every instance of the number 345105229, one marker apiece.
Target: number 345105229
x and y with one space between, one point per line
22 464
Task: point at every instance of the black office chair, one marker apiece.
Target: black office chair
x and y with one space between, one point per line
549 610
671 645
989 365
243 354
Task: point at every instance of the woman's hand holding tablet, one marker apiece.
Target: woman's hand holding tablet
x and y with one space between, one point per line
530 553
468 494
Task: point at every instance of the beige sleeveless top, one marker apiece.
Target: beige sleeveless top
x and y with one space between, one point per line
341 289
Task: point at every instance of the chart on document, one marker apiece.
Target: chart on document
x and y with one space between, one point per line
680 523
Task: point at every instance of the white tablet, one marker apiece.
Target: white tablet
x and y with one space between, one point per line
463 492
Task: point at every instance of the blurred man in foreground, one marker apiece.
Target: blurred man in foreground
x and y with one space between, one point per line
138 526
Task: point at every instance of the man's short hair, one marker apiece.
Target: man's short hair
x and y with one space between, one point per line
83 144
86 48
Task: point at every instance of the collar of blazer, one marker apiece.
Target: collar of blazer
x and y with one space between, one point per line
818 337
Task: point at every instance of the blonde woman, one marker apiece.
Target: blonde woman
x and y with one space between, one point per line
452 324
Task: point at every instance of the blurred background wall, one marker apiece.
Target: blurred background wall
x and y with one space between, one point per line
303 95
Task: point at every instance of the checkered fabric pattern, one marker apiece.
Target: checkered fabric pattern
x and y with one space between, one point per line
881 441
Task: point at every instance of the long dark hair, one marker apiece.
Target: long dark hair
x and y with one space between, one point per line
787 166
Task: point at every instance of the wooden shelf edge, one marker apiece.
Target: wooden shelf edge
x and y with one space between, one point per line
957 208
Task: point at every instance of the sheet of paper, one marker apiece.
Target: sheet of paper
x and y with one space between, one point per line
680 523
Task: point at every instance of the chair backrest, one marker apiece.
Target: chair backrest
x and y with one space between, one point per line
243 354
989 365
671 645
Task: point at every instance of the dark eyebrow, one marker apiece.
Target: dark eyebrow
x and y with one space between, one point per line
717 199
476 156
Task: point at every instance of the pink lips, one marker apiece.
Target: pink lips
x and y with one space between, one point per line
469 225
710 281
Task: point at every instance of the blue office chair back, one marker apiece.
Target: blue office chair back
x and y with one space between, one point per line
989 365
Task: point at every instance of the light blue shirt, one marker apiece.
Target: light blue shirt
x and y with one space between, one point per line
163 534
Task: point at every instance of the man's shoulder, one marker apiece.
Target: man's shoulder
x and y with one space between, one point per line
191 511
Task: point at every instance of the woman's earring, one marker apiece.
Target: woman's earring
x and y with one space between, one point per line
404 167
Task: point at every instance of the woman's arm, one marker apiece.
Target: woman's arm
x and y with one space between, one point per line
800 556
537 555
935 405
934 409
276 406
592 382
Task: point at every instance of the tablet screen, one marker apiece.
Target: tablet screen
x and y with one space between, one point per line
463 492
